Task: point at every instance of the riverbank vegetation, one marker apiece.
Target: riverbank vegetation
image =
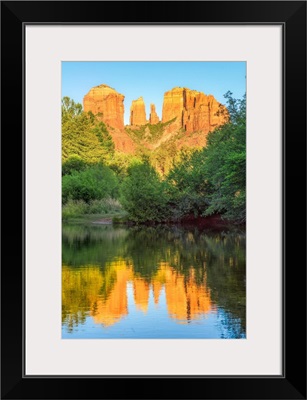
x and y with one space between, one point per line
197 182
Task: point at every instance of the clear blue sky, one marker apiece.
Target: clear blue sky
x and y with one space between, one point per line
152 79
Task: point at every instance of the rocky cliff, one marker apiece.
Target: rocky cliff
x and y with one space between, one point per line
107 103
137 112
194 111
153 117
187 117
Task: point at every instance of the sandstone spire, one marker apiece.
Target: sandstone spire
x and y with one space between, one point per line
137 112
153 117
107 103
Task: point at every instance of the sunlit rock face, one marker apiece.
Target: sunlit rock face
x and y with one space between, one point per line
107 103
153 117
194 111
137 112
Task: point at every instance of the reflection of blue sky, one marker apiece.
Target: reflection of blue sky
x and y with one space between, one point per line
154 324
229 330
152 79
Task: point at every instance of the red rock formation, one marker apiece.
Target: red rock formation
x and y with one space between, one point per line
194 111
107 103
153 117
137 112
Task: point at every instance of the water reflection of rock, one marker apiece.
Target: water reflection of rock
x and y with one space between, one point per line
105 295
110 310
186 301
141 293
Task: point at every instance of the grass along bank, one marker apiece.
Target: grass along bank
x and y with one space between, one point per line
78 211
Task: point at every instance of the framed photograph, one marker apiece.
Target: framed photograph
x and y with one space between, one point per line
161 152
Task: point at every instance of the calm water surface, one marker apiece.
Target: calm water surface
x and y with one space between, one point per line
152 282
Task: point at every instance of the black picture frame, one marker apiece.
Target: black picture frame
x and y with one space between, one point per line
292 16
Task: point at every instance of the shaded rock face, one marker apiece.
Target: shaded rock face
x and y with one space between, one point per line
107 103
153 117
137 112
194 111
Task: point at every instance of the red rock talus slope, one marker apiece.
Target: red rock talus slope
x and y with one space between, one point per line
107 103
137 112
194 111
122 141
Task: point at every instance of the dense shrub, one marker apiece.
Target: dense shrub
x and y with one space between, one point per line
144 195
74 163
73 209
97 182
104 206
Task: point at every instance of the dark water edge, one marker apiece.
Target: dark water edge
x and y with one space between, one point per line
163 281
212 222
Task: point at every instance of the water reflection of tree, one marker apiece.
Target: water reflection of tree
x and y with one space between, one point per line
231 327
218 258
97 245
225 264
79 290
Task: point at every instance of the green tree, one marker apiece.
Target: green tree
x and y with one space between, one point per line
70 109
83 135
188 186
120 162
105 139
225 163
73 163
144 194
94 183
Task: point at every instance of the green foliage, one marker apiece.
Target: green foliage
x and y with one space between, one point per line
188 174
164 157
188 188
73 209
97 182
120 163
225 164
149 132
144 195
108 205
105 139
78 208
73 163
70 109
83 135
